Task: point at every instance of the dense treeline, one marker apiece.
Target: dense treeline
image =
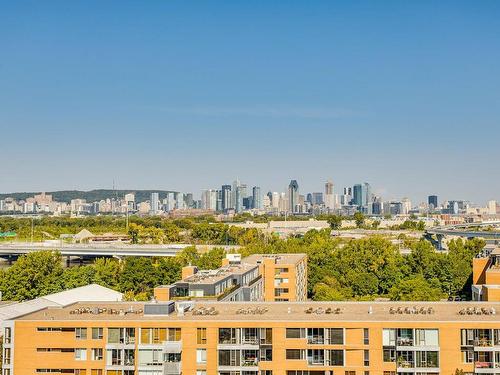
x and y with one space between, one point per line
338 270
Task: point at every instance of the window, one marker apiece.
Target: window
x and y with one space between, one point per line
366 336
6 356
80 354
201 372
266 354
149 357
467 356
95 371
337 336
389 337
295 333
366 356
279 281
97 354
97 333
350 373
7 335
80 372
389 355
174 334
228 336
294 354
201 355
389 372
266 372
81 333
467 337
426 337
279 291
266 336
367 372
201 335
229 358
337 357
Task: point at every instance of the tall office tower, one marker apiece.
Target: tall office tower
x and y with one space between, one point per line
317 198
309 198
257 198
218 203
179 201
154 204
293 196
329 195
209 199
357 196
226 197
433 201
236 184
239 192
406 206
188 200
169 202
130 201
270 196
275 201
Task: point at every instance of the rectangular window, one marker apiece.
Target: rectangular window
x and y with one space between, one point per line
97 333
97 354
366 356
80 354
295 333
7 335
336 336
201 372
389 355
174 334
96 371
81 333
266 354
294 354
280 291
350 373
201 355
266 372
389 337
467 356
337 357
366 336
201 335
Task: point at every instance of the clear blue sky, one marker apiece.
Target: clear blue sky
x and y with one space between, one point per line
188 95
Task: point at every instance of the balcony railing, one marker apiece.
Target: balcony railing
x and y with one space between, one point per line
483 342
406 364
316 361
316 340
480 364
405 341
249 362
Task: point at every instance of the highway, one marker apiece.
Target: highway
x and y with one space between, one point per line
14 249
461 230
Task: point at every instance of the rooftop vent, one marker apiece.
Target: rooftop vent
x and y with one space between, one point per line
412 310
252 311
321 310
105 310
477 311
205 311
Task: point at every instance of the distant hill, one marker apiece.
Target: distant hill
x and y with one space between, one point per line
92 195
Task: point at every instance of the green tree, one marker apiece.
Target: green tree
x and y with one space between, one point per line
359 218
335 222
33 275
416 288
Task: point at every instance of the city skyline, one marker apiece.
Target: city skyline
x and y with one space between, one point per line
404 95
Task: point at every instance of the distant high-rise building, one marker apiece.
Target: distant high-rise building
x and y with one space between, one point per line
154 204
239 192
317 198
357 197
188 200
226 197
256 198
329 195
293 196
432 200
209 199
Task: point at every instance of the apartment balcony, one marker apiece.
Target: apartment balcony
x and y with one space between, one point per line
172 368
316 362
172 347
316 340
404 341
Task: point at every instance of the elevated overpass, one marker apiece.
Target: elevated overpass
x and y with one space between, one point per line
13 250
463 231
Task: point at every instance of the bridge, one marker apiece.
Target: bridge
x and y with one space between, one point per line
464 231
13 250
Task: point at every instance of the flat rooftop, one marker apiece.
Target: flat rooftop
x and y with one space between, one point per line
280 258
213 276
278 311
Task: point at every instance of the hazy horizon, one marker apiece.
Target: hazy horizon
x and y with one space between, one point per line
182 96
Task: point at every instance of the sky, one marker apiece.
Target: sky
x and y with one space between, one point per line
188 95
